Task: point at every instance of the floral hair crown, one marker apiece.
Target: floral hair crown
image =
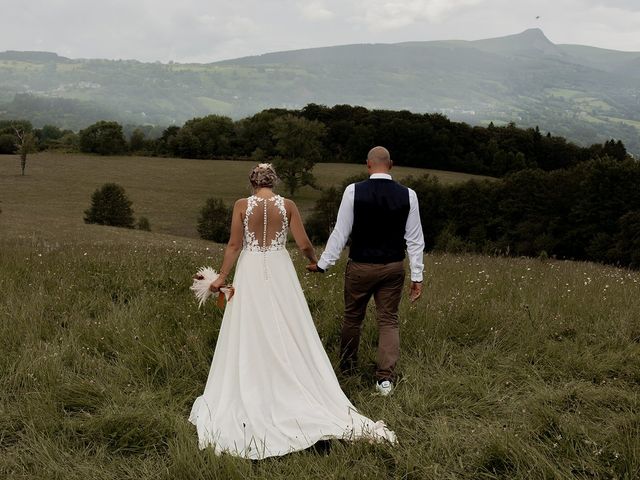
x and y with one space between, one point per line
263 175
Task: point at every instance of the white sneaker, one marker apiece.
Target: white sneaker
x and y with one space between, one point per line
384 387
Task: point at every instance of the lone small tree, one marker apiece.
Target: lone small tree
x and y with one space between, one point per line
214 222
25 142
299 147
143 224
110 206
137 141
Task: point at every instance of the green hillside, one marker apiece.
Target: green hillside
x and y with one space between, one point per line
515 78
51 198
511 368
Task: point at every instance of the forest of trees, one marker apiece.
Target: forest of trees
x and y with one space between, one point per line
417 140
342 133
588 212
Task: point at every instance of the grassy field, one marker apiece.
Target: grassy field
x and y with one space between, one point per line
510 368
168 191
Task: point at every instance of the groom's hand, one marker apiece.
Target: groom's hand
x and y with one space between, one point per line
415 291
313 267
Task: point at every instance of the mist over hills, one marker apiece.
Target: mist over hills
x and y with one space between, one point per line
585 93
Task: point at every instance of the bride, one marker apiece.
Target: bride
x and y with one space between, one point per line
271 388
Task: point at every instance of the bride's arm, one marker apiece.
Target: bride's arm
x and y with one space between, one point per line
234 246
299 233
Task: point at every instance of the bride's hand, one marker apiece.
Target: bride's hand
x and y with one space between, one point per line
216 284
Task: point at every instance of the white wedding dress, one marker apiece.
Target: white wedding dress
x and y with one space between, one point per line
271 388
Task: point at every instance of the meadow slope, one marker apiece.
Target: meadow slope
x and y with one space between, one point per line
510 368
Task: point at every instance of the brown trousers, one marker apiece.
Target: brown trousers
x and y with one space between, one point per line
384 282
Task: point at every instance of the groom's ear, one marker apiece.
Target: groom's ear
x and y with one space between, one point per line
390 164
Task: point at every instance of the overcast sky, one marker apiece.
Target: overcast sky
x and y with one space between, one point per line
210 30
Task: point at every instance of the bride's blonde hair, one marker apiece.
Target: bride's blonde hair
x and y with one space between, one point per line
263 176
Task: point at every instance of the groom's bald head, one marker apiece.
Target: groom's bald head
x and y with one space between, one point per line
379 160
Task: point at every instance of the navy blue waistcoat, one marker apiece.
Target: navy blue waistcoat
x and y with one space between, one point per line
380 212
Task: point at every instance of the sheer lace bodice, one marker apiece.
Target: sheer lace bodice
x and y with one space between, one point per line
265 224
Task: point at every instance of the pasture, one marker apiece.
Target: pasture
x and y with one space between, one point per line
170 192
510 368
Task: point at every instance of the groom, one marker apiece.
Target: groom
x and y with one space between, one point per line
382 218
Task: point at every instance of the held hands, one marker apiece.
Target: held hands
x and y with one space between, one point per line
415 291
313 267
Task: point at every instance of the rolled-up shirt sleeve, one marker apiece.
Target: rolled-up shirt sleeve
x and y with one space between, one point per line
344 223
414 239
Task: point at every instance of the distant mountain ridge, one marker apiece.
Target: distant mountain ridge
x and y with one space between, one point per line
584 93
38 57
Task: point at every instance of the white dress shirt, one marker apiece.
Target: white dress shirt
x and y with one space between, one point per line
344 223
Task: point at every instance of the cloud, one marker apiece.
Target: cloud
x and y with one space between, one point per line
606 26
629 5
385 14
316 11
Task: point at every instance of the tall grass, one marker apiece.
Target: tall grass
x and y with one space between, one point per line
511 368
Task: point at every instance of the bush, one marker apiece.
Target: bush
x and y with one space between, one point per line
103 138
448 241
110 206
69 142
320 223
143 224
8 144
214 222
627 245
137 142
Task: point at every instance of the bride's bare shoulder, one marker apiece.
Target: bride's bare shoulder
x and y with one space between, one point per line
241 204
289 204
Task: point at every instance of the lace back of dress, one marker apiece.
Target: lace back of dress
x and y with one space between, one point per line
265 224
